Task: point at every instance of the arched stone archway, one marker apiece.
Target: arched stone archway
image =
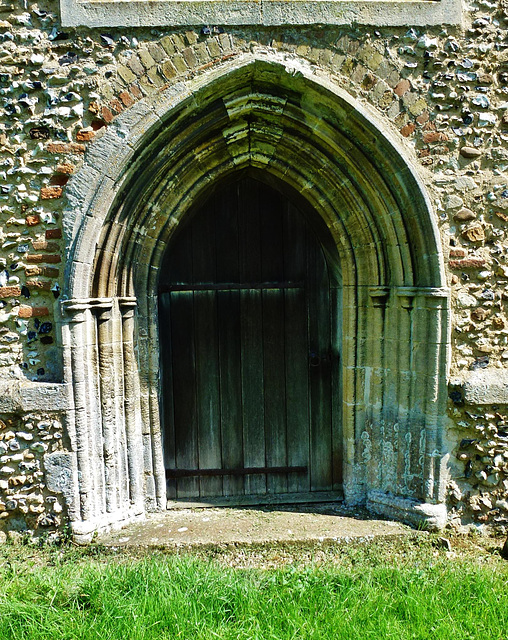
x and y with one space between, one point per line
140 179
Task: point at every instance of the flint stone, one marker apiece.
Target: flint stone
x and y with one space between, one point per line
480 314
464 214
465 300
454 202
470 152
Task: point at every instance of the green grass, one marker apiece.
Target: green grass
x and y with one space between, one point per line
361 594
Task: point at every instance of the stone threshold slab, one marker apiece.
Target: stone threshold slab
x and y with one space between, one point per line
257 526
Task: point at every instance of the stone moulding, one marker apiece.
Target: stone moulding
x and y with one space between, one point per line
276 115
144 13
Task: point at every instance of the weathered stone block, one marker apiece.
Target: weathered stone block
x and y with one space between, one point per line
126 74
408 129
484 386
60 474
402 87
126 98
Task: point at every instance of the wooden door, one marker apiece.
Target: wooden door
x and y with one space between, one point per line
249 362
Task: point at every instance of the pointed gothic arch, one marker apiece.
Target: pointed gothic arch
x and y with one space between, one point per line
142 177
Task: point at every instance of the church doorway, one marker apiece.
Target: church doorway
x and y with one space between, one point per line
249 300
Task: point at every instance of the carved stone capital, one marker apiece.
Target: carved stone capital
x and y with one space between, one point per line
102 308
379 296
75 310
406 296
127 307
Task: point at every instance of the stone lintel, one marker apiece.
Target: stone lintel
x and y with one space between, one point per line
137 13
432 517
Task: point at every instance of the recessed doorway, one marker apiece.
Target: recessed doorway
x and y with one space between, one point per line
249 312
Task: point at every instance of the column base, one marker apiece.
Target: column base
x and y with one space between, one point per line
423 515
85 531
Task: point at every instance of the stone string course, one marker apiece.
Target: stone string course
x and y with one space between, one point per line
444 90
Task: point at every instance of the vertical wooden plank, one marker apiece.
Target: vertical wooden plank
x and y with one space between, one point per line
249 231
184 389
167 410
251 320
272 264
228 314
228 306
208 390
296 349
183 362
207 349
271 212
275 391
178 269
318 305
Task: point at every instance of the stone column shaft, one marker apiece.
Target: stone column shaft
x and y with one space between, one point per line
76 313
132 406
107 373
407 454
159 470
432 304
376 319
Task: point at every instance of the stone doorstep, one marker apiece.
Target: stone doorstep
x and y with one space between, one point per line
290 524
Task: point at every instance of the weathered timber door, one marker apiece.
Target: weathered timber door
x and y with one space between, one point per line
249 354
